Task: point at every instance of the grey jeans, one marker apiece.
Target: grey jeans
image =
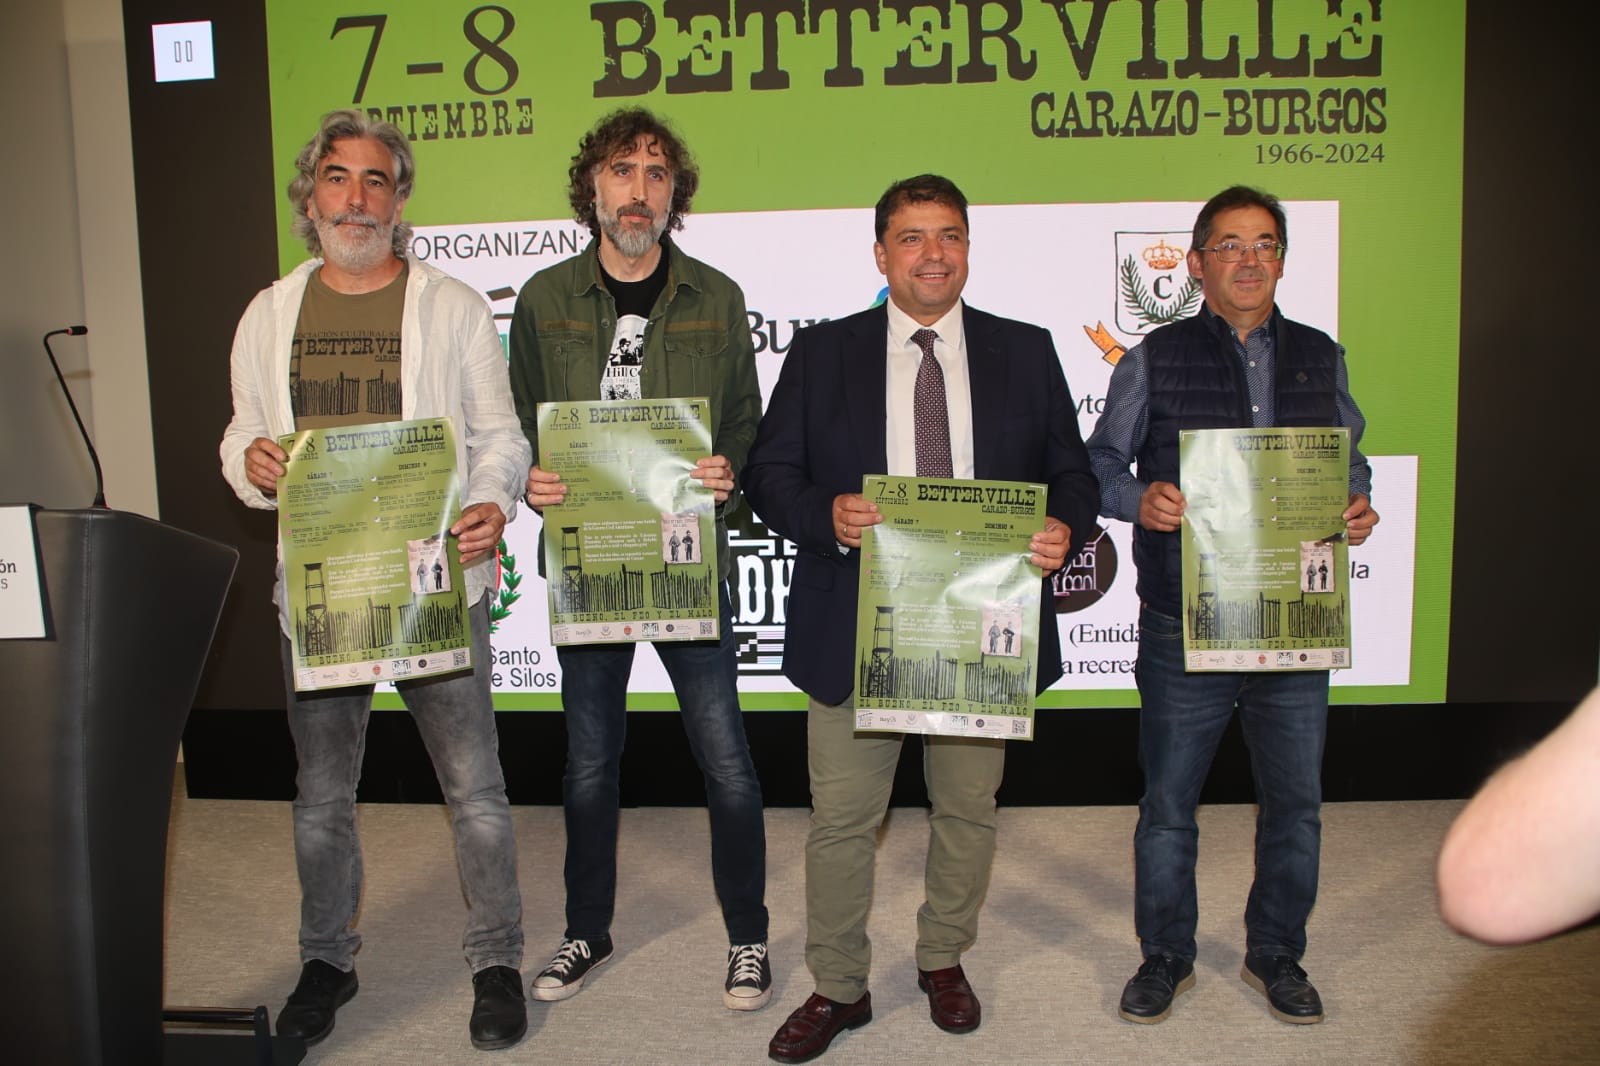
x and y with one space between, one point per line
455 716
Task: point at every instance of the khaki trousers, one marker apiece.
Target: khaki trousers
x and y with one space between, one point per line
852 775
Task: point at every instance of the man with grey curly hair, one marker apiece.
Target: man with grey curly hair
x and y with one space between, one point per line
365 334
343 126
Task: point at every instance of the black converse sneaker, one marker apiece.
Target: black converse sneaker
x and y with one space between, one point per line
749 984
572 963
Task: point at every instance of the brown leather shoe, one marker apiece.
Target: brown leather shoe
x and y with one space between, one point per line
951 1002
811 1028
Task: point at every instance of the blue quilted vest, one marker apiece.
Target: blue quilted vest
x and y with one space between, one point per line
1197 382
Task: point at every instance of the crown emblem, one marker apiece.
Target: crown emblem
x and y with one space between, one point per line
1162 256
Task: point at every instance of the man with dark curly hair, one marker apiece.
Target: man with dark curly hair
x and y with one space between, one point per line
632 317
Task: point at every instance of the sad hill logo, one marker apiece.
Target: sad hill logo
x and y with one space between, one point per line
1152 286
1087 577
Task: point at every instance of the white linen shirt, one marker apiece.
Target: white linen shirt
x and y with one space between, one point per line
452 364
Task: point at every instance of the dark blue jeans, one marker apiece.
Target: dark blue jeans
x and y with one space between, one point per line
594 693
454 714
1182 717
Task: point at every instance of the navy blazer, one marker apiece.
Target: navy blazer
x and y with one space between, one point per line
824 430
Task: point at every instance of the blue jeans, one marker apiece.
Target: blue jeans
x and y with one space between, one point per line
594 692
1182 717
454 714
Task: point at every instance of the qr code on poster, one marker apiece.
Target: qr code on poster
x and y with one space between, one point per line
1019 727
705 627
1341 657
458 657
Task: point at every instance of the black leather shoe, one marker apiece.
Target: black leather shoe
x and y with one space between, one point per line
811 1028
499 1011
1289 994
952 1004
322 990
1148 995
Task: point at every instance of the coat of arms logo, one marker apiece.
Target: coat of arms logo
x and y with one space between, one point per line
1152 288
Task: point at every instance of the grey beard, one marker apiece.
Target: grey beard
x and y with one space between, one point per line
631 242
355 253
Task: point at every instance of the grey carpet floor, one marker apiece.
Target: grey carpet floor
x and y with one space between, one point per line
1055 948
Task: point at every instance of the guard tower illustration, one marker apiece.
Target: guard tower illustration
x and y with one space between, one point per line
571 569
1205 617
882 653
318 637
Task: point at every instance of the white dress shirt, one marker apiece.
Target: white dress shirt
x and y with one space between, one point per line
905 357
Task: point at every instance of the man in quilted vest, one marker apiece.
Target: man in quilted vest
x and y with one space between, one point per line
1238 363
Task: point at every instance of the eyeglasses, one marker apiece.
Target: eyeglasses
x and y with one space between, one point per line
1233 251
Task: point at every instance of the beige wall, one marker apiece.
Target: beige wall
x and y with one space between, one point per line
71 257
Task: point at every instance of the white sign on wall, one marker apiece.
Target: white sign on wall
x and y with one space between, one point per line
21 604
182 51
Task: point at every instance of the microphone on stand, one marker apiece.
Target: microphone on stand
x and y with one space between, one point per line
99 478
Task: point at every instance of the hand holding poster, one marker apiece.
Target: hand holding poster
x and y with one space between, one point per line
1265 563
947 625
375 591
631 553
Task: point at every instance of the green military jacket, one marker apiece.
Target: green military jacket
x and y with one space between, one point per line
697 343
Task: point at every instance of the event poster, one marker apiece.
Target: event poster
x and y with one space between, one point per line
947 624
1265 567
375 592
631 553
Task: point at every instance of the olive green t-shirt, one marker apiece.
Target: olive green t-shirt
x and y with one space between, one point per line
344 366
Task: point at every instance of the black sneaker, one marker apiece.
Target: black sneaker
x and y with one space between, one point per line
1290 996
749 984
499 1011
323 988
564 976
1148 995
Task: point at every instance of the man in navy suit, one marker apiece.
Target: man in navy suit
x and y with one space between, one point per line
849 403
